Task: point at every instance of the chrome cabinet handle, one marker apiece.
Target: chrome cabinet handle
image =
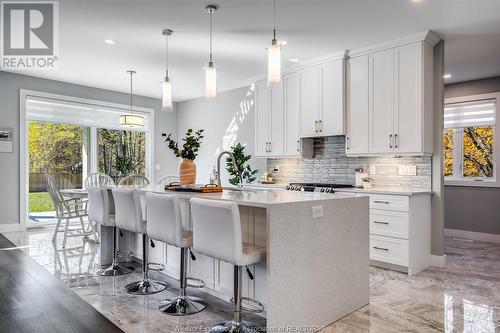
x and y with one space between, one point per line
380 248
316 126
380 222
298 145
267 147
390 140
380 201
395 141
320 122
270 147
347 142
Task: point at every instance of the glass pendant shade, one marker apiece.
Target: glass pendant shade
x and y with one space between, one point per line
167 103
131 120
274 64
210 80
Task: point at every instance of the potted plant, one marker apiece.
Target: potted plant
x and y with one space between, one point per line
367 182
245 174
188 152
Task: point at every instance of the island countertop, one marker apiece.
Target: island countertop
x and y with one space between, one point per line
254 197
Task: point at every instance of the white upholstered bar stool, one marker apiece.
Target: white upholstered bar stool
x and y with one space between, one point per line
165 225
129 216
102 211
217 233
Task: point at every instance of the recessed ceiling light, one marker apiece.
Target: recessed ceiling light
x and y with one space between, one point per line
417 1
109 41
447 76
294 60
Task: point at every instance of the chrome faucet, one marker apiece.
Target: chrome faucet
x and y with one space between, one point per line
235 166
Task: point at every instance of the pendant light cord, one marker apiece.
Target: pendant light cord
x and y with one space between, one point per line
166 56
210 38
131 94
274 19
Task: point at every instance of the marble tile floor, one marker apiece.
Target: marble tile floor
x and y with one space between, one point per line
463 297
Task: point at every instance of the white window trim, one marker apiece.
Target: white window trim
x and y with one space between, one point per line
477 181
23 141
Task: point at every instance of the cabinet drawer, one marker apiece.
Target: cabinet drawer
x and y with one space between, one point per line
389 202
389 223
389 250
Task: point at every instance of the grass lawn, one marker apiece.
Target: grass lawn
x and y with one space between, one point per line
40 202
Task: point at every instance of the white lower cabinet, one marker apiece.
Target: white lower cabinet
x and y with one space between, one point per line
400 232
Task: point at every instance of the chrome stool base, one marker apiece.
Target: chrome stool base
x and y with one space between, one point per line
115 270
230 326
181 306
145 287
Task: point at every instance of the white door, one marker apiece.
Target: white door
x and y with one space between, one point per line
332 98
357 106
276 125
309 101
408 98
291 100
262 118
381 100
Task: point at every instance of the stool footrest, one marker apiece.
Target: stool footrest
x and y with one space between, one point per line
259 305
157 267
198 283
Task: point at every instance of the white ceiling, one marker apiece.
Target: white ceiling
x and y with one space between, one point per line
242 31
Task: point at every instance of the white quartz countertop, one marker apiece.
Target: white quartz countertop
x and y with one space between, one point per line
374 190
254 197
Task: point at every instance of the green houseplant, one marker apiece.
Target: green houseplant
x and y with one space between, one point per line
188 152
245 174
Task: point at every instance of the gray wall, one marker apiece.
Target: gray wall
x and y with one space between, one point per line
226 119
472 208
10 84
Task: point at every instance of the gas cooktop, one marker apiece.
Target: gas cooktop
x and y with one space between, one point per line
316 187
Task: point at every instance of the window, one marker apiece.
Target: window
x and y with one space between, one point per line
469 142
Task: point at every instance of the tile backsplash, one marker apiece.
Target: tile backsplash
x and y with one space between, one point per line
330 165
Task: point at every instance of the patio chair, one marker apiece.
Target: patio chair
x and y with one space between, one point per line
68 209
98 180
134 180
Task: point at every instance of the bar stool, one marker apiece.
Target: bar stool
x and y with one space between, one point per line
101 211
165 225
129 216
217 233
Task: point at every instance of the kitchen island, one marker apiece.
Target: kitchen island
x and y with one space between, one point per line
316 270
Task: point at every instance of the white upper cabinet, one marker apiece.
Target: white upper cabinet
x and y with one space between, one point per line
400 101
322 99
309 101
381 98
332 98
358 105
291 99
268 120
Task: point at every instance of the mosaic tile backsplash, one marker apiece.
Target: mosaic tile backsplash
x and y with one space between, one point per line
330 165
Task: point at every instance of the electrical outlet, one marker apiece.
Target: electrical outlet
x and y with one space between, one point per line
407 170
373 170
317 211
276 168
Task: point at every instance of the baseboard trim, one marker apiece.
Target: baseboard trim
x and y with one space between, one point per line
472 235
11 227
438 261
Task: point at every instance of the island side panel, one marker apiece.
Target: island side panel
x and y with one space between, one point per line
318 269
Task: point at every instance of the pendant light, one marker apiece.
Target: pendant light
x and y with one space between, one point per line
210 71
167 103
274 56
131 120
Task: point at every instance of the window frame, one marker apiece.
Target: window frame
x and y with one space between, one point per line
458 147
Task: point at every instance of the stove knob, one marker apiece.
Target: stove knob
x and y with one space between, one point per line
327 190
288 187
322 190
298 188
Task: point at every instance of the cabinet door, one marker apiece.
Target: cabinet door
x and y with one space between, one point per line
276 124
357 106
309 101
408 109
262 118
381 101
332 98
291 99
